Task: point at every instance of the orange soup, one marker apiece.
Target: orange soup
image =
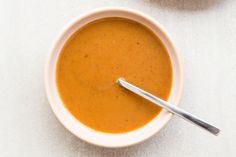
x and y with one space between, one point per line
95 56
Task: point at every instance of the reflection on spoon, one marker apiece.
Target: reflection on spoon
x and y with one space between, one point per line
169 107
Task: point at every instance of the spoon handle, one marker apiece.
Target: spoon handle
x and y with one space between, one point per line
169 107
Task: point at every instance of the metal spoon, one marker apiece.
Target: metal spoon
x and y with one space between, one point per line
169 107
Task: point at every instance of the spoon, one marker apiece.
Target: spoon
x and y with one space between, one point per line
169 107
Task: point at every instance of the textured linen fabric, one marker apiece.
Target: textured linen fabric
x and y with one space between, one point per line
204 31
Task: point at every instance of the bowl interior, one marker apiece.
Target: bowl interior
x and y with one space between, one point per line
100 138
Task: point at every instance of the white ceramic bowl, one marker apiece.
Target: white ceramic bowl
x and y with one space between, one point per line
108 139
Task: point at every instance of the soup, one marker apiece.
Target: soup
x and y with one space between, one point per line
91 61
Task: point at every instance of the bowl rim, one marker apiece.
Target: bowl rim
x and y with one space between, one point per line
63 33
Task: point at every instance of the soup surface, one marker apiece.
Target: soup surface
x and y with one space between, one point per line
95 56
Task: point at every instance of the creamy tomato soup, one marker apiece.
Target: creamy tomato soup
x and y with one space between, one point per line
95 56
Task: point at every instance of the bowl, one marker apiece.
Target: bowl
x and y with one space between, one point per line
102 138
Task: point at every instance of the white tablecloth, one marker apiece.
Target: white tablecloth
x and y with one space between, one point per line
204 31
